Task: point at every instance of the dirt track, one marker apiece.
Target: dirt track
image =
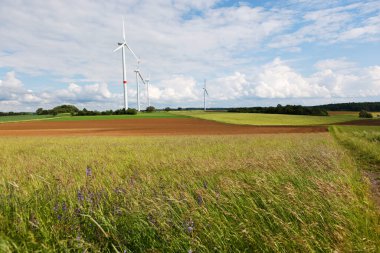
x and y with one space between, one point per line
177 126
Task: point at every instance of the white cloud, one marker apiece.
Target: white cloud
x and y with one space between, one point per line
180 43
229 87
176 89
333 23
278 80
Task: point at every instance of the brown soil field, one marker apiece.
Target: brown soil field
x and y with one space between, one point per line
141 127
364 122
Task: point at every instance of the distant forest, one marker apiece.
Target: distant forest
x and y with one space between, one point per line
368 106
279 109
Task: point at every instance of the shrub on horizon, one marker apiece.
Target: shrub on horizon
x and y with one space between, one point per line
131 111
365 114
150 109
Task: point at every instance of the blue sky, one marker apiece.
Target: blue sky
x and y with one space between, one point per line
251 52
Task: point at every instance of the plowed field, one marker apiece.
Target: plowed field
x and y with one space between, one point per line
177 126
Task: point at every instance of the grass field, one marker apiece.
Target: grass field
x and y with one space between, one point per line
141 115
350 113
23 118
291 193
363 141
262 119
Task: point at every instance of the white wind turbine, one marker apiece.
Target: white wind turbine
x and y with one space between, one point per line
138 75
147 90
122 46
204 95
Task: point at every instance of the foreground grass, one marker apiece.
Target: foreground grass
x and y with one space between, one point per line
23 118
291 193
140 115
262 119
363 141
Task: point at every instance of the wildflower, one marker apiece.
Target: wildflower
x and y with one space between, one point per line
190 226
190 251
80 196
55 208
88 171
64 207
199 199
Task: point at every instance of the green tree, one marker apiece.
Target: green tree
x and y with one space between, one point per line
150 109
39 111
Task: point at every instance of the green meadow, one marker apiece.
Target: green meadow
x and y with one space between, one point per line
263 119
24 118
254 193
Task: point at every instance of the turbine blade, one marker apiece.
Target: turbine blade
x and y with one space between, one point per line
137 59
118 47
142 79
206 92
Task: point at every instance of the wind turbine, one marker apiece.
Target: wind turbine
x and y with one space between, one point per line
138 74
147 90
204 95
123 45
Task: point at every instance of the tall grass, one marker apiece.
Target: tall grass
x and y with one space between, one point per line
363 141
272 193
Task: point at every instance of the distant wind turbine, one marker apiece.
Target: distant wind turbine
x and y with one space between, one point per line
204 95
138 75
147 90
122 46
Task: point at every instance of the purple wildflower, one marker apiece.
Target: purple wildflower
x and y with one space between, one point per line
88 171
199 199
80 196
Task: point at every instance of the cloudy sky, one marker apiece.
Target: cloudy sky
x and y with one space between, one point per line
252 53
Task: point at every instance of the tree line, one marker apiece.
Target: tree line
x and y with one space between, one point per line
367 106
279 109
74 111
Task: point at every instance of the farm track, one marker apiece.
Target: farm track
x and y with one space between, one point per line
178 126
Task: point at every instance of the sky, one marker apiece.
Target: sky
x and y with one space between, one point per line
252 53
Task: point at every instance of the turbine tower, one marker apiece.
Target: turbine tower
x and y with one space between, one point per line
123 45
204 95
138 75
147 90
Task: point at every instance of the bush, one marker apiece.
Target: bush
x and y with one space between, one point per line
167 109
365 114
150 109
131 111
